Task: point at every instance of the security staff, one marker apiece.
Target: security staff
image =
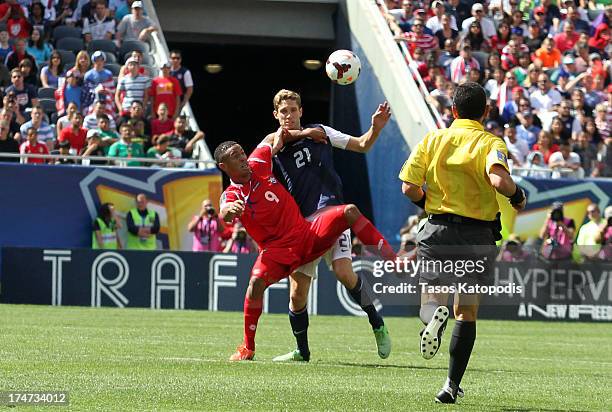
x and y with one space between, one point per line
463 167
143 226
105 227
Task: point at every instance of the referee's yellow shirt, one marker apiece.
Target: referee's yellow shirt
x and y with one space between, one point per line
454 163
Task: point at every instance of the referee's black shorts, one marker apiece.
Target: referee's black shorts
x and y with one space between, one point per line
451 253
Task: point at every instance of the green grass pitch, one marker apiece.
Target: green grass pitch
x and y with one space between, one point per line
139 359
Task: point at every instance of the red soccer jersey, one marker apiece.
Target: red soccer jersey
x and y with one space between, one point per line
271 216
38 148
77 141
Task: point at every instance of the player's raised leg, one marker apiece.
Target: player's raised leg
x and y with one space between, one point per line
434 315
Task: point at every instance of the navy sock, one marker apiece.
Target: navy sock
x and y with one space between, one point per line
460 349
364 300
299 325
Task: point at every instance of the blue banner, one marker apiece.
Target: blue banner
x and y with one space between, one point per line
54 206
207 281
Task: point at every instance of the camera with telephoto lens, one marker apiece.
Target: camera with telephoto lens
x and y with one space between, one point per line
241 235
210 211
556 215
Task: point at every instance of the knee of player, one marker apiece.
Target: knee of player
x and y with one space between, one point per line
466 312
257 287
352 213
298 297
344 272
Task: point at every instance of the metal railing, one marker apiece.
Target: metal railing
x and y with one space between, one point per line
161 55
176 164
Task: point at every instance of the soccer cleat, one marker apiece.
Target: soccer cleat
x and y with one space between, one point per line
446 396
460 392
293 356
383 341
242 353
431 336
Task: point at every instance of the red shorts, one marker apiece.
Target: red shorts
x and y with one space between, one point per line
274 264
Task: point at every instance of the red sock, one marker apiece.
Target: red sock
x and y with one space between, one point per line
252 312
371 237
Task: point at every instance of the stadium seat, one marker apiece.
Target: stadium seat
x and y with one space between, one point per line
114 68
131 45
46 93
146 58
107 46
151 71
62 32
68 58
48 105
70 43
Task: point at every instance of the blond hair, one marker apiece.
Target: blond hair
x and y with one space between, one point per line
285 94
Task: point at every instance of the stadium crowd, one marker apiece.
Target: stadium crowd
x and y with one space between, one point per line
76 78
546 68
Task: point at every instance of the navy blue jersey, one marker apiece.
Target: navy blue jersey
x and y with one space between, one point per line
306 169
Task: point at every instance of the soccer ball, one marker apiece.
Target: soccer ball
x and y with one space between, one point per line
343 67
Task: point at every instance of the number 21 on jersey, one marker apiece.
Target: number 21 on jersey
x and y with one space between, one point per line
302 157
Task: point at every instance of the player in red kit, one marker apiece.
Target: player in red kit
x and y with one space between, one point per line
272 218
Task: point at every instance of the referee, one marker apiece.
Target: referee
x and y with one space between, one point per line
463 167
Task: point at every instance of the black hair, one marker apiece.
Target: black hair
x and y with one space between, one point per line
470 100
104 212
222 149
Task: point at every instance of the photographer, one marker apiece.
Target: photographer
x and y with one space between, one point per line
512 250
240 242
605 236
207 229
557 233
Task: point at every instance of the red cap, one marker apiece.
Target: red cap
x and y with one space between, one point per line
517 89
539 9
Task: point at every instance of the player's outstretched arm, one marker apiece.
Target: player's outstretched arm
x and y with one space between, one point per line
232 210
277 139
379 120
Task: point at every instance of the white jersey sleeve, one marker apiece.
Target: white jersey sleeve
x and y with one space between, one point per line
337 138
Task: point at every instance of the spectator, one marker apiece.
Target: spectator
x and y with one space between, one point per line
417 38
571 124
81 66
94 147
548 54
434 23
125 148
38 21
543 99
459 10
18 26
605 236
517 148
558 131
460 67
494 83
63 149
573 18
33 146
7 143
535 166
207 229
545 145
161 151
137 55
44 132
518 25
139 135
475 38
565 159
5 47
50 74
104 128
91 120
240 242
143 225
501 39
589 98
132 87
166 89
522 70
18 54
75 134
557 233
65 12
163 124
512 250
29 77
99 76
446 31
526 130
534 37
566 40
70 92
506 91
135 26
38 47
106 229
12 114
182 138
601 38
99 25
488 28
25 95
602 120
587 152
65 121
183 75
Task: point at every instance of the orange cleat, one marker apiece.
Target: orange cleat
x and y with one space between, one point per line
242 354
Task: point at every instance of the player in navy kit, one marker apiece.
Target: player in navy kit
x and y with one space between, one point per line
306 168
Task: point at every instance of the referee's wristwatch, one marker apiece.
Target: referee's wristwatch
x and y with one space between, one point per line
517 197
